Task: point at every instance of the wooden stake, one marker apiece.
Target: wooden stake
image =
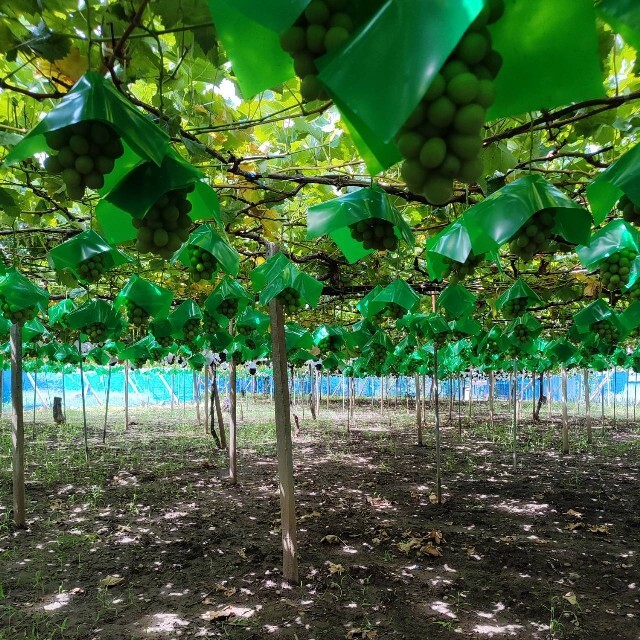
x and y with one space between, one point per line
196 399
233 462
492 381
126 394
565 417
106 407
515 415
206 399
587 406
84 409
416 378
17 427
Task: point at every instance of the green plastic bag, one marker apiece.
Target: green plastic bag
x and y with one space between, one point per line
328 338
227 290
95 98
161 329
93 312
69 255
207 238
58 313
291 277
630 317
550 54
620 178
32 330
155 300
251 320
595 312
561 351
623 17
21 293
334 217
137 353
354 75
136 193
456 301
186 314
520 290
398 293
494 221
297 337
465 327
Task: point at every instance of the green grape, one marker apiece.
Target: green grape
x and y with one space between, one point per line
138 316
228 307
375 233
392 310
290 300
534 236
329 343
166 225
606 331
456 271
514 308
324 26
243 329
164 341
191 328
441 141
91 269
378 352
630 211
202 263
522 334
96 332
86 152
616 269
17 314
209 323
236 357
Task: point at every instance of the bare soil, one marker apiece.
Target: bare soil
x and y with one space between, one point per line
151 541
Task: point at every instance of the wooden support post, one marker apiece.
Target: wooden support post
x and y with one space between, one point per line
106 407
1 390
173 386
206 398
328 389
550 399
34 381
614 397
416 378
196 399
587 406
283 440
470 392
233 416
84 409
492 381
514 426
216 401
17 427
64 395
565 418
168 388
126 394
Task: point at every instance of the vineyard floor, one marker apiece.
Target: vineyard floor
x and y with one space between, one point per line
149 539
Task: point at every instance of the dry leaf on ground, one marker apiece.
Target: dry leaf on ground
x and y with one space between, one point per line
431 550
330 539
365 634
571 597
574 513
111 581
220 614
335 568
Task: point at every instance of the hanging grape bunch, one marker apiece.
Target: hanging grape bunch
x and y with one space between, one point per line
378 351
514 308
228 307
191 328
209 323
442 139
456 271
85 152
375 233
96 332
236 357
391 310
329 343
250 343
630 211
533 237
16 314
164 341
321 28
616 269
202 263
290 299
634 292
91 269
166 225
137 315
138 363
522 334
606 331
243 329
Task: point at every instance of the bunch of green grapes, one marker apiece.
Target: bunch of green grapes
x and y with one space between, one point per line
244 329
202 263
166 225
138 363
209 323
615 270
606 331
290 299
456 271
634 334
377 351
85 152
236 357
522 334
442 139
93 268
534 236
250 343
191 328
228 307
323 27
96 331
16 314
391 310
375 233
630 211
329 343
515 307
164 341
137 315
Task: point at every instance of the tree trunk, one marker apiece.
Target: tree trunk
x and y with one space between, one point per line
58 413
437 424
106 407
312 395
206 404
515 415
587 406
565 418
126 394
492 380
233 468
17 428
418 409
216 400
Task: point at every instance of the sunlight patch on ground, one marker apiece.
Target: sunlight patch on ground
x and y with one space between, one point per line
161 623
443 608
514 506
55 601
494 629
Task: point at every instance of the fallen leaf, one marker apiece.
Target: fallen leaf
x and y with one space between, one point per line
366 634
227 591
471 550
508 539
378 502
574 525
308 516
330 539
599 528
571 597
436 536
574 513
433 498
111 581
242 553
221 614
412 543
431 550
335 568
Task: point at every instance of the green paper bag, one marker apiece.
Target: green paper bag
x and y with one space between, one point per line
208 239
607 241
297 337
58 313
623 17
334 217
186 320
291 277
155 300
251 320
133 196
550 56
396 299
494 221
232 295
515 300
32 330
87 245
456 301
620 178
96 320
20 296
95 98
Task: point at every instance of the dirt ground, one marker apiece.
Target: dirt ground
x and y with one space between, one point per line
151 541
